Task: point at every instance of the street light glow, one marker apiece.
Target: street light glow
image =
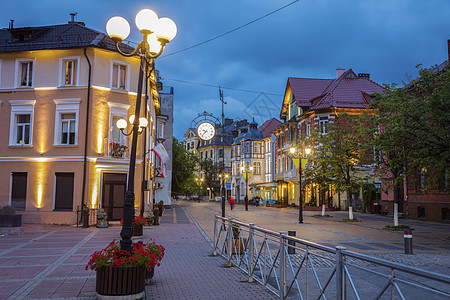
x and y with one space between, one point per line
118 28
146 20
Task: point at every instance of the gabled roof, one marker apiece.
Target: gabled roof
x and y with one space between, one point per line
268 126
190 130
347 91
71 35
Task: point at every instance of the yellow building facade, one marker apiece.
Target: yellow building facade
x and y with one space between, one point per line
62 89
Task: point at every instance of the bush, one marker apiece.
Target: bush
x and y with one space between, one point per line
8 210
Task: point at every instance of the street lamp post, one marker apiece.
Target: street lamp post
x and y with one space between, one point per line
223 180
246 172
298 159
157 32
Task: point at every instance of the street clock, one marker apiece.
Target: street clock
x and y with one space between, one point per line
206 131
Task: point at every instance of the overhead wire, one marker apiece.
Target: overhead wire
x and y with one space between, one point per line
230 31
219 86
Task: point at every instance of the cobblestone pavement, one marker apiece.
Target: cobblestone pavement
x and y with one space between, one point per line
48 262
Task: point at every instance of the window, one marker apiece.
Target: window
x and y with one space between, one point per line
257 168
69 70
21 125
66 121
64 191
161 130
220 152
119 76
323 124
117 111
19 190
25 72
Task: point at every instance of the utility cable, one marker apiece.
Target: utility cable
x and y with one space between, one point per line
217 86
228 32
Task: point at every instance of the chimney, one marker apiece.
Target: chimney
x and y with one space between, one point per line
339 72
72 17
11 25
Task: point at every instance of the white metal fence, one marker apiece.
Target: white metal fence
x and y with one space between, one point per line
293 268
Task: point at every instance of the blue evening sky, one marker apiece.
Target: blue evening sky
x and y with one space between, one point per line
311 38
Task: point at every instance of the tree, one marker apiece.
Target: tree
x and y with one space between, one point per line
340 151
412 128
184 168
210 171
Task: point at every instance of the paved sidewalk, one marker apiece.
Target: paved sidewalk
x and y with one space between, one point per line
48 262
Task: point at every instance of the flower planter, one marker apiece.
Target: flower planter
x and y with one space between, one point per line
149 276
113 281
10 220
138 230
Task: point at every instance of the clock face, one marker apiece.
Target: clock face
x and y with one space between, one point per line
206 131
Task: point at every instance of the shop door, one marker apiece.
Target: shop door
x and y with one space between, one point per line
113 196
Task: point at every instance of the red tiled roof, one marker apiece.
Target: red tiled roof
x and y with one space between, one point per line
347 91
268 126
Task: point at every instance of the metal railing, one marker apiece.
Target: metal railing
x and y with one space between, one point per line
92 216
293 268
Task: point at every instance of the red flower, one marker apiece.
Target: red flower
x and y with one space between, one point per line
137 220
146 255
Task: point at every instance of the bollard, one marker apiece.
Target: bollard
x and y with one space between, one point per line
291 250
407 234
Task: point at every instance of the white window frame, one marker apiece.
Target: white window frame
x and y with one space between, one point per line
62 70
17 80
20 107
127 75
66 106
257 168
117 110
323 124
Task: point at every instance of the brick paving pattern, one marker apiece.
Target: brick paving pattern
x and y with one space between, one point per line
48 262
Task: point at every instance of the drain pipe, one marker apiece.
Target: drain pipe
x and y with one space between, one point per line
84 207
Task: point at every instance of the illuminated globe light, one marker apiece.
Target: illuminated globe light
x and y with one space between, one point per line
143 122
118 28
131 119
121 124
308 150
166 29
146 19
155 45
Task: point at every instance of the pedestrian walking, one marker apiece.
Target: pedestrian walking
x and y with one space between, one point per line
231 200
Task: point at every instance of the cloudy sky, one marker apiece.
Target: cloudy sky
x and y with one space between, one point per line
310 38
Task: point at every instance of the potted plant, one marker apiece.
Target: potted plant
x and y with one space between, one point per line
149 216
238 243
8 217
137 225
119 273
117 150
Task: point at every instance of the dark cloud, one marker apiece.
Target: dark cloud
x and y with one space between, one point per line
308 39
